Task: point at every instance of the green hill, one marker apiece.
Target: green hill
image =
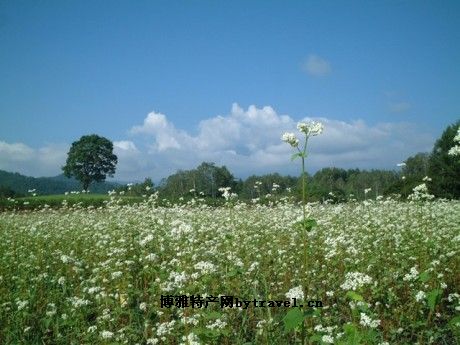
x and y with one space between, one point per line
60 184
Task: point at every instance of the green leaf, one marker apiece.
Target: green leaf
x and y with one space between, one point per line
454 323
354 296
309 312
352 335
292 319
316 338
307 224
424 276
212 315
433 297
310 223
296 155
233 273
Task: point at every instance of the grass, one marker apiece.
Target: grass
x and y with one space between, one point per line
385 271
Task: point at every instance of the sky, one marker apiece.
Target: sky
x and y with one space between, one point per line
175 83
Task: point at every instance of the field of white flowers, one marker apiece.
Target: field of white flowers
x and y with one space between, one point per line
387 272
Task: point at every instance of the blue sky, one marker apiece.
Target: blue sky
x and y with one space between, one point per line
173 83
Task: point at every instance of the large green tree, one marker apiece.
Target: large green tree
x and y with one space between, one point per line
444 169
90 159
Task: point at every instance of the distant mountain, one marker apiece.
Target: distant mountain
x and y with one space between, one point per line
49 185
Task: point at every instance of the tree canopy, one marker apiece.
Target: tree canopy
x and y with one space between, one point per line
90 159
444 168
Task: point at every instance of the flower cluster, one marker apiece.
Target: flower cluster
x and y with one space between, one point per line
368 322
420 192
295 292
291 139
355 280
310 129
227 194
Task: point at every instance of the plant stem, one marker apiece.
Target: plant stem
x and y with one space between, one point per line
303 188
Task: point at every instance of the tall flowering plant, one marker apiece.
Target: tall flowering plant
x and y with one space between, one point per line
297 317
308 129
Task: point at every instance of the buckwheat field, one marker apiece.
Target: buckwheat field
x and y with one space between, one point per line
385 271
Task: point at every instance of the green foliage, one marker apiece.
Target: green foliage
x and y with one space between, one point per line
352 336
412 175
145 188
417 166
264 183
204 181
21 184
90 159
293 319
306 224
354 296
444 168
7 192
433 297
424 276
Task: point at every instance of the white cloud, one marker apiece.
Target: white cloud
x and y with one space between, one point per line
156 124
317 66
44 161
247 141
131 161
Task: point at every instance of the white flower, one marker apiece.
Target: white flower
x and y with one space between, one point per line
191 339
106 334
355 280
310 129
116 274
420 296
412 275
217 324
367 321
146 240
91 329
205 267
420 192
65 259
22 304
327 339
296 292
291 139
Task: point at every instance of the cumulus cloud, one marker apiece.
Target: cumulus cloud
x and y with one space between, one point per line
317 66
131 161
165 133
247 141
